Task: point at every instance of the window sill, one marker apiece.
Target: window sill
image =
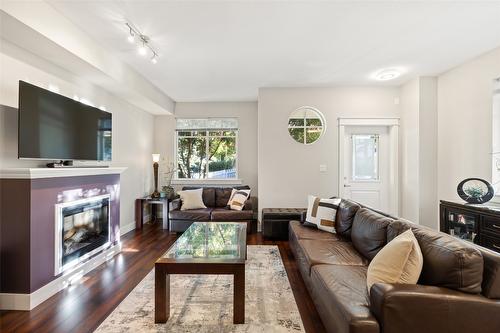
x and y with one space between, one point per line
207 181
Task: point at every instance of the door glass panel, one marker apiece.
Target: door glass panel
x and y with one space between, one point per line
365 157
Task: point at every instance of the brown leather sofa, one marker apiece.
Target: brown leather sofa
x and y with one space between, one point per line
216 199
458 290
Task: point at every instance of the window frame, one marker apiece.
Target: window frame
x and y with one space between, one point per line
305 127
235 179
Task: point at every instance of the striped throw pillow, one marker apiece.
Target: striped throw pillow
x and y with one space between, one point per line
238 199
322 212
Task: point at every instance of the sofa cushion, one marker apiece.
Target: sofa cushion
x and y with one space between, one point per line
222 196
345 217
300 231
491 275
224 214
448 262
369 232
327 252
208 194
192 214
341 298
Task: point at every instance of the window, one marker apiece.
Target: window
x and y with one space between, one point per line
365 157
306 125
207 148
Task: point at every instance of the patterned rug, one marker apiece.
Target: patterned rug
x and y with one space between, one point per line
204 303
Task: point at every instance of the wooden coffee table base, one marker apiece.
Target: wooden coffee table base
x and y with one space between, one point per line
162 285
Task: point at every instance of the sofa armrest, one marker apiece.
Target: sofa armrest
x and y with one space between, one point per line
175 204
418 308
251 204
303 216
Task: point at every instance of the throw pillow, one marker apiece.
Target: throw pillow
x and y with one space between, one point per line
238 198
192 199
322 212
400 261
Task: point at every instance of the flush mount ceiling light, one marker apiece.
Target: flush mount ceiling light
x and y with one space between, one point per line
143 42
387 74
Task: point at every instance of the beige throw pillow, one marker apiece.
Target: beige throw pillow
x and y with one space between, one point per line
192 199
400 261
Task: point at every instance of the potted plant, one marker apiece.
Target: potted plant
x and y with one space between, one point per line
168 174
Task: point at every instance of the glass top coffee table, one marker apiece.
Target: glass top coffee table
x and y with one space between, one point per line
204 248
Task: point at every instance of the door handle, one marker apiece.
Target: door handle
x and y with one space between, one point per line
347 185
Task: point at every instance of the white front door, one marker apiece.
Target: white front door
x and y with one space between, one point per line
366 174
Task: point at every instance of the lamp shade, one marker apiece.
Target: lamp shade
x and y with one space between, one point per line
156 158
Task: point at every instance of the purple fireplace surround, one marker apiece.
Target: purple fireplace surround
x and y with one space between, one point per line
27 225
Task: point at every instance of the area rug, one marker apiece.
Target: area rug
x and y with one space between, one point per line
204 303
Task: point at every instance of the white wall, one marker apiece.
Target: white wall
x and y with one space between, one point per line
465 105
246 112
132 128
289 171
419 202
409 135
428 135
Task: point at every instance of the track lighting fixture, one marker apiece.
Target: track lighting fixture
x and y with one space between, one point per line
143 42
131 37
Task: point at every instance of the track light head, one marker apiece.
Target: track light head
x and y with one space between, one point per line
142 50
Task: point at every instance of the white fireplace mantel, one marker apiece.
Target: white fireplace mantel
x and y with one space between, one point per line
36 173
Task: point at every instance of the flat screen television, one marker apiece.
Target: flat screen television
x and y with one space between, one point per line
55 127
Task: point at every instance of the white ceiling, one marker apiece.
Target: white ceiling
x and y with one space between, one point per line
225 51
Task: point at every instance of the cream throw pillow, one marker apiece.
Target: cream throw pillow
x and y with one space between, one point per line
192 199
322 212
400 261
238 199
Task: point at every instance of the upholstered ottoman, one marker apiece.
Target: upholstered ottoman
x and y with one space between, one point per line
275 221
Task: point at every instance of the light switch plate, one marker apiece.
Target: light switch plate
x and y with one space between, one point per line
322 168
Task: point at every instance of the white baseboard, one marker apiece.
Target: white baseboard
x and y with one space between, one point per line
26 302
127 228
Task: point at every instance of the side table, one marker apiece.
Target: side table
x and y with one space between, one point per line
139 214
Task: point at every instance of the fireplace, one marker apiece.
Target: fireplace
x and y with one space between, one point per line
82 230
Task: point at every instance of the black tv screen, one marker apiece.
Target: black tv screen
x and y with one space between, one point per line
55 127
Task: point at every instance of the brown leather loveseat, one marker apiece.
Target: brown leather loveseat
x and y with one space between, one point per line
458 290
216 199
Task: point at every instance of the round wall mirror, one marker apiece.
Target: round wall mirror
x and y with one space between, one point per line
306 125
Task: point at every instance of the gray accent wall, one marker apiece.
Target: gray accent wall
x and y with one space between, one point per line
27 222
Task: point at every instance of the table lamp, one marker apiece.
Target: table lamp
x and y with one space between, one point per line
156 159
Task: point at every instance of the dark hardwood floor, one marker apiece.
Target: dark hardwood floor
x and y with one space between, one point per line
82 307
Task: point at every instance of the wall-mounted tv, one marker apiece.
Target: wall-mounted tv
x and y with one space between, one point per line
55 127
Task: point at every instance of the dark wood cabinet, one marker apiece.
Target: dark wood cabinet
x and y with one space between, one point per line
475 223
